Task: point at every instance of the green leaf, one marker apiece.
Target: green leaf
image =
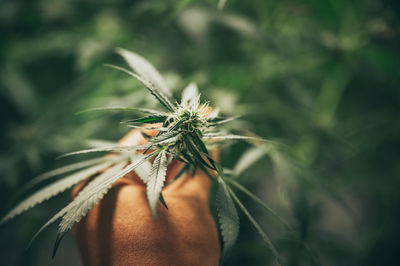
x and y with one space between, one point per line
156 181
53 189
195 152
248 158
57 172
124 109
221 4
95 189
162 200
57 244
164 136
199 143
232 137
148 119
220 120
228 217
79 207
108 149
145 69
190 95
256 225
156 93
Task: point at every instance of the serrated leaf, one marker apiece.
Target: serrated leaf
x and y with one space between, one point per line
52 190
190 95
227 217
156 181
73 207
145 69
95 189
156 93
125 109
57 172
108 149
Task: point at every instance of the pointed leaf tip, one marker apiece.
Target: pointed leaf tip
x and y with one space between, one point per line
156 181
228 217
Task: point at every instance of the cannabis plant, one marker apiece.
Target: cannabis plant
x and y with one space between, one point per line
186 132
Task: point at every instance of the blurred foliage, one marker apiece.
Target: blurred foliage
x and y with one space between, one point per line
319 76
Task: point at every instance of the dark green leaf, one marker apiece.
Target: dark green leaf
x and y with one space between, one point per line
148 119
228 218
195 152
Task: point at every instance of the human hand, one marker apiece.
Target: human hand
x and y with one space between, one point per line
120 230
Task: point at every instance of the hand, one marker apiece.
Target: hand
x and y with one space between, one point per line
120 230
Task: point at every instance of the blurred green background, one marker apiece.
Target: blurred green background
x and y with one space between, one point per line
320 76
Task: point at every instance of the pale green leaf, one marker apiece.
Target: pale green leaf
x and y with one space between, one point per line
190 95
124 109
150 86
221 4
231 137
81 210
145 69
59 171
95 189
248 158
109 149
100 143
156 181
53 189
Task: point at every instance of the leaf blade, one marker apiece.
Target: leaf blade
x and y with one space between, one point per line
107 149
190 95
52 190
156 181
228 217
156 93
127 109
145 69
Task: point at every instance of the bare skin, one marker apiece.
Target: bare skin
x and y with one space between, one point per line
120 229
